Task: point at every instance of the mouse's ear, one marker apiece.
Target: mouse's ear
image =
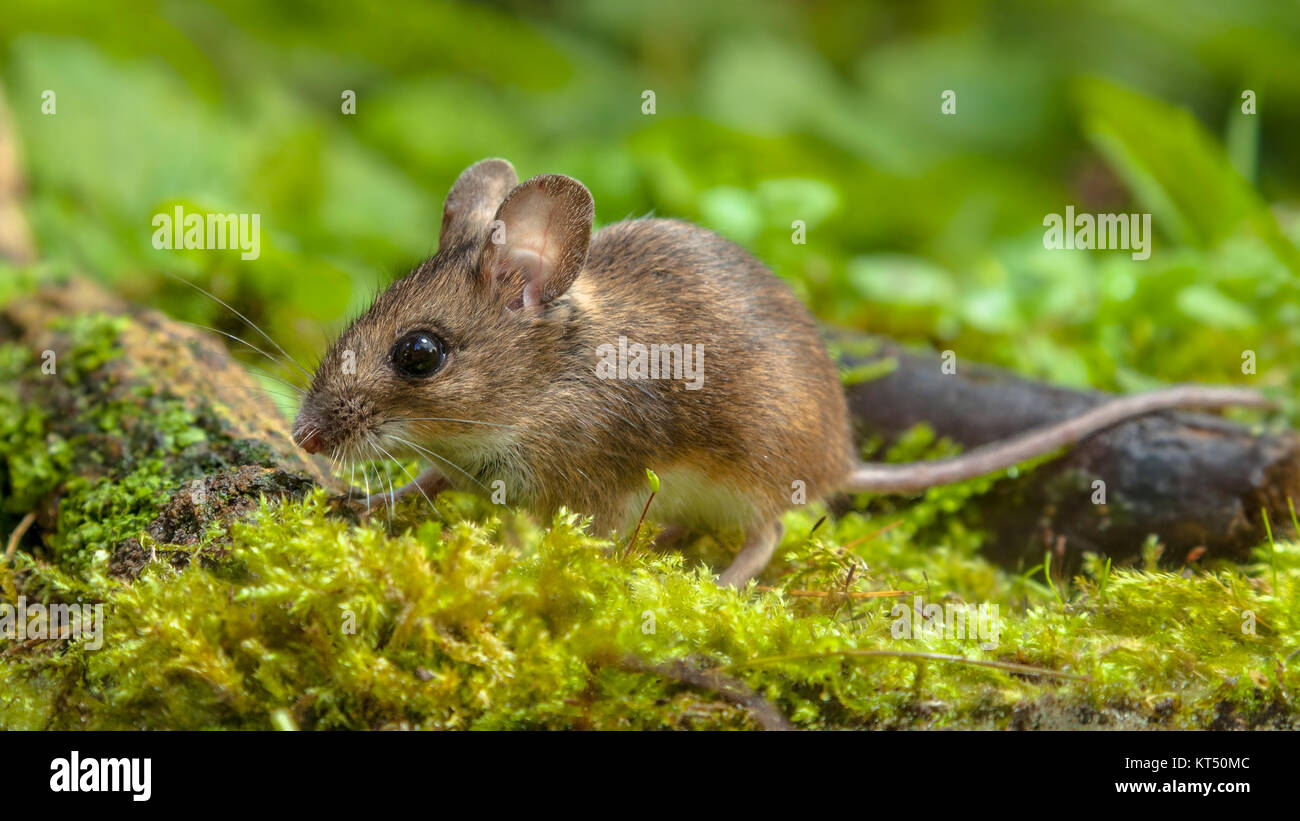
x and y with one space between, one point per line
473 200
541 232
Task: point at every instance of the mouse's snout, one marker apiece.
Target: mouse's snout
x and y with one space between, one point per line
311 440
332 425
309 433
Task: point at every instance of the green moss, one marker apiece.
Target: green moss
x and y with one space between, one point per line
487 621
31 463
92 343
106 495
475 616
114 461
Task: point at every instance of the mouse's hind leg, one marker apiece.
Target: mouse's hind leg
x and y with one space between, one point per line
760 544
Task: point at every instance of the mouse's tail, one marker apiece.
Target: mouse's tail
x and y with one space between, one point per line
911 477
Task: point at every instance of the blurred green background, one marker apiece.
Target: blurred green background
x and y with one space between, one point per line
923 226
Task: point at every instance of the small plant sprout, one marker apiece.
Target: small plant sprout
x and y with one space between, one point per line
1047 574
653 478
1103 581
1272 546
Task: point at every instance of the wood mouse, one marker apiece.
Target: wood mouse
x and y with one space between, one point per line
492 362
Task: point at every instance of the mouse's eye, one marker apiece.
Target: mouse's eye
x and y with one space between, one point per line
418 354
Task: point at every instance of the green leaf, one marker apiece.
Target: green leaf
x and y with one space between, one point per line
1207 305
1176 169
901 280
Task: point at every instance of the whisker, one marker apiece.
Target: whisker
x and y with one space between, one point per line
448 419
273 378
414 483
334 460
442 459
257 387
392 496
280 392
365 475
369 457
392 500
534 431
531 431
374 457
238 339
248 321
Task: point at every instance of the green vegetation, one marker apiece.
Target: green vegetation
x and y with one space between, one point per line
921 226
478 618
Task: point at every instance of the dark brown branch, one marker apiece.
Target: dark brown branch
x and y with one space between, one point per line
729 689
1191 479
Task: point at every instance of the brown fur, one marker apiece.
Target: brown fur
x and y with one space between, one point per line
524 297
770 412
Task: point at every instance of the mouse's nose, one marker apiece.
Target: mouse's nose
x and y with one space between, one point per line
309 439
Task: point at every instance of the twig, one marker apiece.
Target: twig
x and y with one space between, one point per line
871 535
654 488
640 522
728 688
822 594
19 532
905 654
21 646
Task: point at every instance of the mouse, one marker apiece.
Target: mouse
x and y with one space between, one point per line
549 366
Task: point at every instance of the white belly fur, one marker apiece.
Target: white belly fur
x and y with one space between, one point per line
690 498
